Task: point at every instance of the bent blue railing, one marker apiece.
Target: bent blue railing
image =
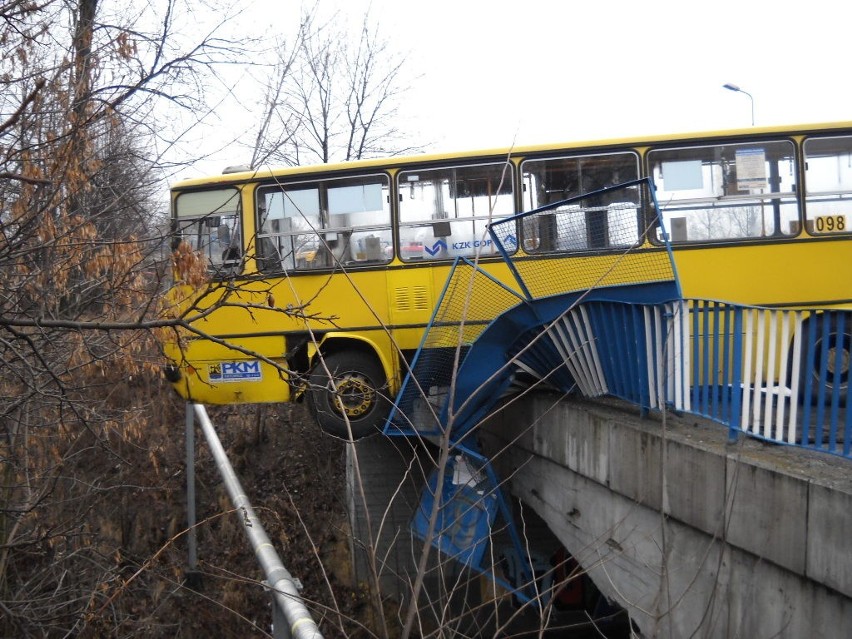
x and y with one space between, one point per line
779 375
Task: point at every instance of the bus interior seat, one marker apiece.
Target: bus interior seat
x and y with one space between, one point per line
268 258
373 249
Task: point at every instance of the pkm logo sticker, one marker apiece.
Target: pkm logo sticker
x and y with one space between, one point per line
247 371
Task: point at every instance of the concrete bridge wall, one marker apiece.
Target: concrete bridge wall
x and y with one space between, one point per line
692 535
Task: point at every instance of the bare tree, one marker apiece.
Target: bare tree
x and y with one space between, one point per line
332 97
79 260
79 273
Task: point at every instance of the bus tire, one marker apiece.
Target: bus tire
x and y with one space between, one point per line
361 389
836 339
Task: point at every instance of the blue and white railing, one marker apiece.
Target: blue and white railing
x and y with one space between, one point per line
776 374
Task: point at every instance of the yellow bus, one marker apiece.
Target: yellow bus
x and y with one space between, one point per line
334 270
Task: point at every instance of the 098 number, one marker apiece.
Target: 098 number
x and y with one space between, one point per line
830 223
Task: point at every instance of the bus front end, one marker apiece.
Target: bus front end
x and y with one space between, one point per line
209 362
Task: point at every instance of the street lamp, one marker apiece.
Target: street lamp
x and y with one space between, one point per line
735 88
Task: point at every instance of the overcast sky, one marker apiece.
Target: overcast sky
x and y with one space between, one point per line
487 73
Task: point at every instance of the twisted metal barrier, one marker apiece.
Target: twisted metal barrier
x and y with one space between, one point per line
617 327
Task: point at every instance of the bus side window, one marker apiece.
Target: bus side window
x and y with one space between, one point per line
324 223
600 222
828 179
359 213
444 211
726 192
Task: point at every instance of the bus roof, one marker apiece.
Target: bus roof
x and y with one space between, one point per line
265 172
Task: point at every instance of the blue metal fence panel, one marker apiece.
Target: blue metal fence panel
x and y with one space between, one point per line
778 375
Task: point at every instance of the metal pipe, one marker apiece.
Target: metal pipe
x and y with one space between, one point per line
301 624
192 544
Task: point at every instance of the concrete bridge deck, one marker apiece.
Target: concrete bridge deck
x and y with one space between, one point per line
692 535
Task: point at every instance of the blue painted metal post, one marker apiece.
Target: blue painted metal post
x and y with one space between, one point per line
738 384
728 388
834 364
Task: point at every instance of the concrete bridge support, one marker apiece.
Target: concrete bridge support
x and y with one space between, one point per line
695 537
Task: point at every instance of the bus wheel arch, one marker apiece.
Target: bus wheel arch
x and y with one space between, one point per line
358 398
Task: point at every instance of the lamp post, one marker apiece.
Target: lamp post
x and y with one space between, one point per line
735 88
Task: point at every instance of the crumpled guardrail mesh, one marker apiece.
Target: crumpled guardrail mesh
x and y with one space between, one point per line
563 241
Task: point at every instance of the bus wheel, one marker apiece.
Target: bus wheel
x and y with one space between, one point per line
837 357
360 396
